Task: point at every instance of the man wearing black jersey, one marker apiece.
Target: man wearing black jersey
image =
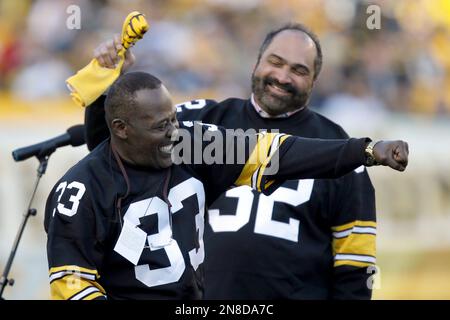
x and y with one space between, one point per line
311 239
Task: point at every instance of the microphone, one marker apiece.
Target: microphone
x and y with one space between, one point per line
74 137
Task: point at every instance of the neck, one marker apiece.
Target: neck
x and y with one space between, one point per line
122 152
265 114
132 158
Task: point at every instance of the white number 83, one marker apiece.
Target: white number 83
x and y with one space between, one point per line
74 199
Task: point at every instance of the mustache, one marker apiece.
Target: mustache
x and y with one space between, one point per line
285 86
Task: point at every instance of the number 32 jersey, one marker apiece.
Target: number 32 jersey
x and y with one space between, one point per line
310 239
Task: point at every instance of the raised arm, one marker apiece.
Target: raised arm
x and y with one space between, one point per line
107 55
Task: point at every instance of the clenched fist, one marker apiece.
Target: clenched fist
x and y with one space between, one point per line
107 54
392 153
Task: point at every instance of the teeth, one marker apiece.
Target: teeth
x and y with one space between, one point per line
278 89
167 149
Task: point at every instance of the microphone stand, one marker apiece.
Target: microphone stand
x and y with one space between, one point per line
43 161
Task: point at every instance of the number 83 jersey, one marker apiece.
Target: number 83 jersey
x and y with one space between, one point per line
90 209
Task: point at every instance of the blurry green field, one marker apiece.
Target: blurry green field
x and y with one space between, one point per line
424 275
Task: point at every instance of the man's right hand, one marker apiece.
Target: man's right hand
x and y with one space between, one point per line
106 54
392 153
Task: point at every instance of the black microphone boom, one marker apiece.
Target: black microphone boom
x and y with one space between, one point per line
74 137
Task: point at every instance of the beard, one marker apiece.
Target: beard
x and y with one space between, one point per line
278 104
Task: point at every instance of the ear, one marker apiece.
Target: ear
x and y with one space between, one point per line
119 128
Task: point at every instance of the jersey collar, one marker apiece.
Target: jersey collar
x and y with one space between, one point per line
264 114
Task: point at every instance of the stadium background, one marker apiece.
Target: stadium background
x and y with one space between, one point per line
387 83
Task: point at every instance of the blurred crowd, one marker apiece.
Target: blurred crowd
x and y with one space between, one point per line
207 48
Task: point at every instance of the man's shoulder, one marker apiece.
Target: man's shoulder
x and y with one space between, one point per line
84 187
207 104
210 111
231 102
89 167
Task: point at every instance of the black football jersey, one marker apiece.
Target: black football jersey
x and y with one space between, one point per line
310 239
98 200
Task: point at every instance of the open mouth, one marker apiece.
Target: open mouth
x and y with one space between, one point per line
167 149
273 88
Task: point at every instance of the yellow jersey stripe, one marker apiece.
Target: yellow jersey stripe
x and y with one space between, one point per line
269 183
358 223
359 264
355 244
94 295
258 154
251 174
71 285
277 142
84 293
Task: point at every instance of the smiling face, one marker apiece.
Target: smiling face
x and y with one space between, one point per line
284 77
146 135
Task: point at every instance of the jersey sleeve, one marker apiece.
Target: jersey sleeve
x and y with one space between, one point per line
265 160
95 123
289 157
354 237
73 250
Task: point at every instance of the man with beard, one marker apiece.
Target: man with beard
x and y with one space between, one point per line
310 239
